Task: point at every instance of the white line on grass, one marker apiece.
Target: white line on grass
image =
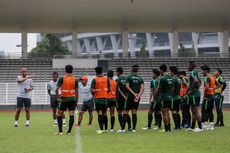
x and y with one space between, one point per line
78 140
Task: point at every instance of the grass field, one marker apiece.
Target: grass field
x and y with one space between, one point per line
39 138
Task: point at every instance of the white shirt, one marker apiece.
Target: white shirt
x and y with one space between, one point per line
22 93
84 93
52 86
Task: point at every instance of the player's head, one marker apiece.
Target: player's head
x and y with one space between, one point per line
119 71
182 74
54 76
24 72
110 74
69 69
98 70
218 72
173 70
192 65
84 80
205 70
134 68
156 73
163 69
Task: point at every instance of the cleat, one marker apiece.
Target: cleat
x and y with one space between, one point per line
112 130
100 131
156 128
68 133
146 128
55 124
27 125
64 124
121 131
197 130
221 124
134 131
15 125
106 131
88 125
58 133
189 129
77 125
129 130
161 131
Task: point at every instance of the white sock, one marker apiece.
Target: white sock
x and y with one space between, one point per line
16 122
63 120
27 122
55 121
211 124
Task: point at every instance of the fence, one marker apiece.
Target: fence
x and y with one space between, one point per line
40 97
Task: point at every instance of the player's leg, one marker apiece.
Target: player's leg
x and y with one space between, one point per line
150 116
18 110
80 117
27 103
210 112
90 118
90 107
205 113
221 112
135 106
105 117
217 105
62 106
166 119
174 113
112 117
71 107
53 105
126 117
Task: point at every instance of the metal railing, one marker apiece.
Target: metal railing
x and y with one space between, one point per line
40 96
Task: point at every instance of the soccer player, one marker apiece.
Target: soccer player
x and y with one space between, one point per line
100 87
194 97
185 106
69 90
87 99
208 100
154 103
218 97
111 99
51 86
165 90
135 87
121 99
25 86
176 99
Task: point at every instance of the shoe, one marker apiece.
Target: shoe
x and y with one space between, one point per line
216 125
189 129
58 133
121 131
197 130
88 125
106 131
15 125
146 128
161 131
129 130
27 125
221 124
68 132
100 131
64 124
55 124
112 130
156 128
77 125
134 131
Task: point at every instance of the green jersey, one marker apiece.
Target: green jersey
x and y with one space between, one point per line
67 99
176 87
153 85
121 84
194 84
134 82
165 88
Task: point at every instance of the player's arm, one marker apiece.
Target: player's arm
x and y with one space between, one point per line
93 83
76 88
59 83
224 84
151 95
123 95
48 89
128 87
141 90
206 85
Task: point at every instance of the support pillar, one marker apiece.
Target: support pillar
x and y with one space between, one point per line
174 42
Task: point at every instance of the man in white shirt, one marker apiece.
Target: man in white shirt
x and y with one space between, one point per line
25 86
51 86
87 99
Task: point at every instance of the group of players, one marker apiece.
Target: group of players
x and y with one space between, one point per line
172 91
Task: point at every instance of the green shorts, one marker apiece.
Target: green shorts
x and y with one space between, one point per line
194 101
155 106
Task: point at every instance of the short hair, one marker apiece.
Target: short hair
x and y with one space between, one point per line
135 68
205 68
220 71
174 69
156 71
110 73
182 73
192 63
98 70
163 67
55 73
69 69
119 70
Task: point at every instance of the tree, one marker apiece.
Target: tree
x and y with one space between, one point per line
50 45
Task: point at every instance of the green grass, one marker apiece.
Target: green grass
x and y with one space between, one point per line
39 138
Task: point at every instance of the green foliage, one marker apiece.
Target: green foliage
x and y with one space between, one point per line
184 52
49 46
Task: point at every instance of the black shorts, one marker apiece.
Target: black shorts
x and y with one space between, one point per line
70 105
175 105
131 104
218 98
111 102
155 106
165 104
208 103
194 101
87 106
185 105
121 103
23 101
53 101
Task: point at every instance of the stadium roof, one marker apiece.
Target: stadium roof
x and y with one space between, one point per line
114 15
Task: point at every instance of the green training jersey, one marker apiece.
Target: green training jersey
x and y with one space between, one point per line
176 87
153 85
134 82
66 99
165 88
121 84
194 84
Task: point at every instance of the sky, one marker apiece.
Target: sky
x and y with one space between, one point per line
8 41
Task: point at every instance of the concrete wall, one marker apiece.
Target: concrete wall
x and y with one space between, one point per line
77 63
